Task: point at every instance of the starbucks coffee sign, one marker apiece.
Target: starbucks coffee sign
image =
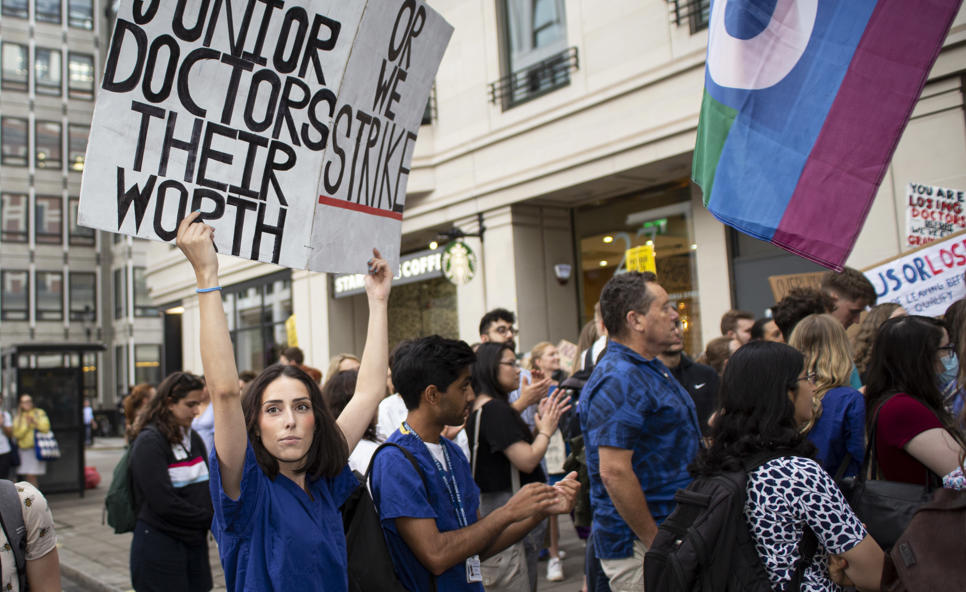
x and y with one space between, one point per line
459 263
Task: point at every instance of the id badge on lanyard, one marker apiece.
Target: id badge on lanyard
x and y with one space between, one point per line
473 573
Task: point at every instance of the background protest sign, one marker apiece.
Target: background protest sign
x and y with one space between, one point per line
229 107
781 285
932 213
924 281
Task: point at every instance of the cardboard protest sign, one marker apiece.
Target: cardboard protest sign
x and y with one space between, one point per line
932 213
781 285
924 281
289 124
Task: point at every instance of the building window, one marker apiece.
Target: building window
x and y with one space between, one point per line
50 296
256 313
14 217
695 13
80 14
47 11
536 54
48 219
16 71
83 296
15 297
79 235
120 371
80 75
142 300
77 146
13 141
47 141
15 8
47 71
147 364
120 292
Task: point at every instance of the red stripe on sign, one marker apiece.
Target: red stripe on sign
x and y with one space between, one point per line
348 205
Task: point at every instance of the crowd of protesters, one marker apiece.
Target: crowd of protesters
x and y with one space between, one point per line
465 445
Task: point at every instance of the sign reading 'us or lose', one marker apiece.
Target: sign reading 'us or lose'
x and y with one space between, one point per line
290 124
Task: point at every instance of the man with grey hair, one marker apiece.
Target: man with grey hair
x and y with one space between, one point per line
640 427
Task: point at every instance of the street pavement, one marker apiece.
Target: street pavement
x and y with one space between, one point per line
93 558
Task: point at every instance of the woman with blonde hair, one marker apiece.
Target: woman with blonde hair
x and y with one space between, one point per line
862 343
341 363
29 419
837 428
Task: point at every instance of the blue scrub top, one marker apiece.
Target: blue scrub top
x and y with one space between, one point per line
275 536
399 492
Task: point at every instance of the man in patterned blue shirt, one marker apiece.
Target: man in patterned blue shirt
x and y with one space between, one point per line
640 427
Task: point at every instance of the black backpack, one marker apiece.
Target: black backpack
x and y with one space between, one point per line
705 545
370 563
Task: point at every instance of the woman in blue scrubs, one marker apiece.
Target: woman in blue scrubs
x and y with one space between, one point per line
279 471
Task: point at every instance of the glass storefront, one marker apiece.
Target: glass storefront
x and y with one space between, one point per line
256 313
423 308
659 216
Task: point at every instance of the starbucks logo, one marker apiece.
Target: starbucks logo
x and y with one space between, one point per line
459 263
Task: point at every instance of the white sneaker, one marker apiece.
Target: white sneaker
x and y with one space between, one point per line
554 570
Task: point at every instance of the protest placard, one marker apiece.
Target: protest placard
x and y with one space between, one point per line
289 124
932 213
781 285
924 281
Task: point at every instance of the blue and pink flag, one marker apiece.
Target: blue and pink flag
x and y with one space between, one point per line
804 103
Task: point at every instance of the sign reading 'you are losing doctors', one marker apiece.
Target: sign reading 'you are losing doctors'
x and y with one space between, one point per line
289 124
924 281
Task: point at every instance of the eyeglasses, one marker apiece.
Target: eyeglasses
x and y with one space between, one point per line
505 330
811 376
947 351
514 364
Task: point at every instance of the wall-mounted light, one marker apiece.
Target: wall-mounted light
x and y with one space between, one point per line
433 245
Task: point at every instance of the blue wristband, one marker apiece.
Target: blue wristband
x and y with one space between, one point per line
206 290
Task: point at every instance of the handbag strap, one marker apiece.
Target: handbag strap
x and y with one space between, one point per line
476 441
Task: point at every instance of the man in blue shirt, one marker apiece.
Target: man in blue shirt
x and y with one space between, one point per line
434 530
640 427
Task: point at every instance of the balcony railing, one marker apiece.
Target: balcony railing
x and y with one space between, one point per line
694 13
535 80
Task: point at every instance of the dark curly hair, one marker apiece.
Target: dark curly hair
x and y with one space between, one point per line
798 304
755 413
328 453
171 390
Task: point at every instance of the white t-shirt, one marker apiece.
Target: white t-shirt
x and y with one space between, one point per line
392 412
4 443
361 455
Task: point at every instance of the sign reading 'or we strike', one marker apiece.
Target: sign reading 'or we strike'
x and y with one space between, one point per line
924 281
289 124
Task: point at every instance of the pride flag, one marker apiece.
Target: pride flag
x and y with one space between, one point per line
804 103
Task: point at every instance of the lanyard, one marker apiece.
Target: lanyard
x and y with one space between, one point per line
449 484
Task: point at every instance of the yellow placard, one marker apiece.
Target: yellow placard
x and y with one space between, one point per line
641 259
293 340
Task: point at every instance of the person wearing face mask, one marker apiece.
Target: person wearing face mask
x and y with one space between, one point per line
169 477
950 383
917 440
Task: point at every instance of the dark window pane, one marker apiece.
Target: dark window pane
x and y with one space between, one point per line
83 297
47 71
147 364
142 301
50 296
47 11
16 71
120 292
13 299
77 146
80 75
15 8
120 370
80 14
79 235
48 219
13 141
48 138
14 214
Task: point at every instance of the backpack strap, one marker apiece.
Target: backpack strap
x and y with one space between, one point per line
806 552
412 460
11 518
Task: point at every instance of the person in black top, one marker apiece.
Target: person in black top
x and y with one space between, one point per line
699 380
504 453
169 476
